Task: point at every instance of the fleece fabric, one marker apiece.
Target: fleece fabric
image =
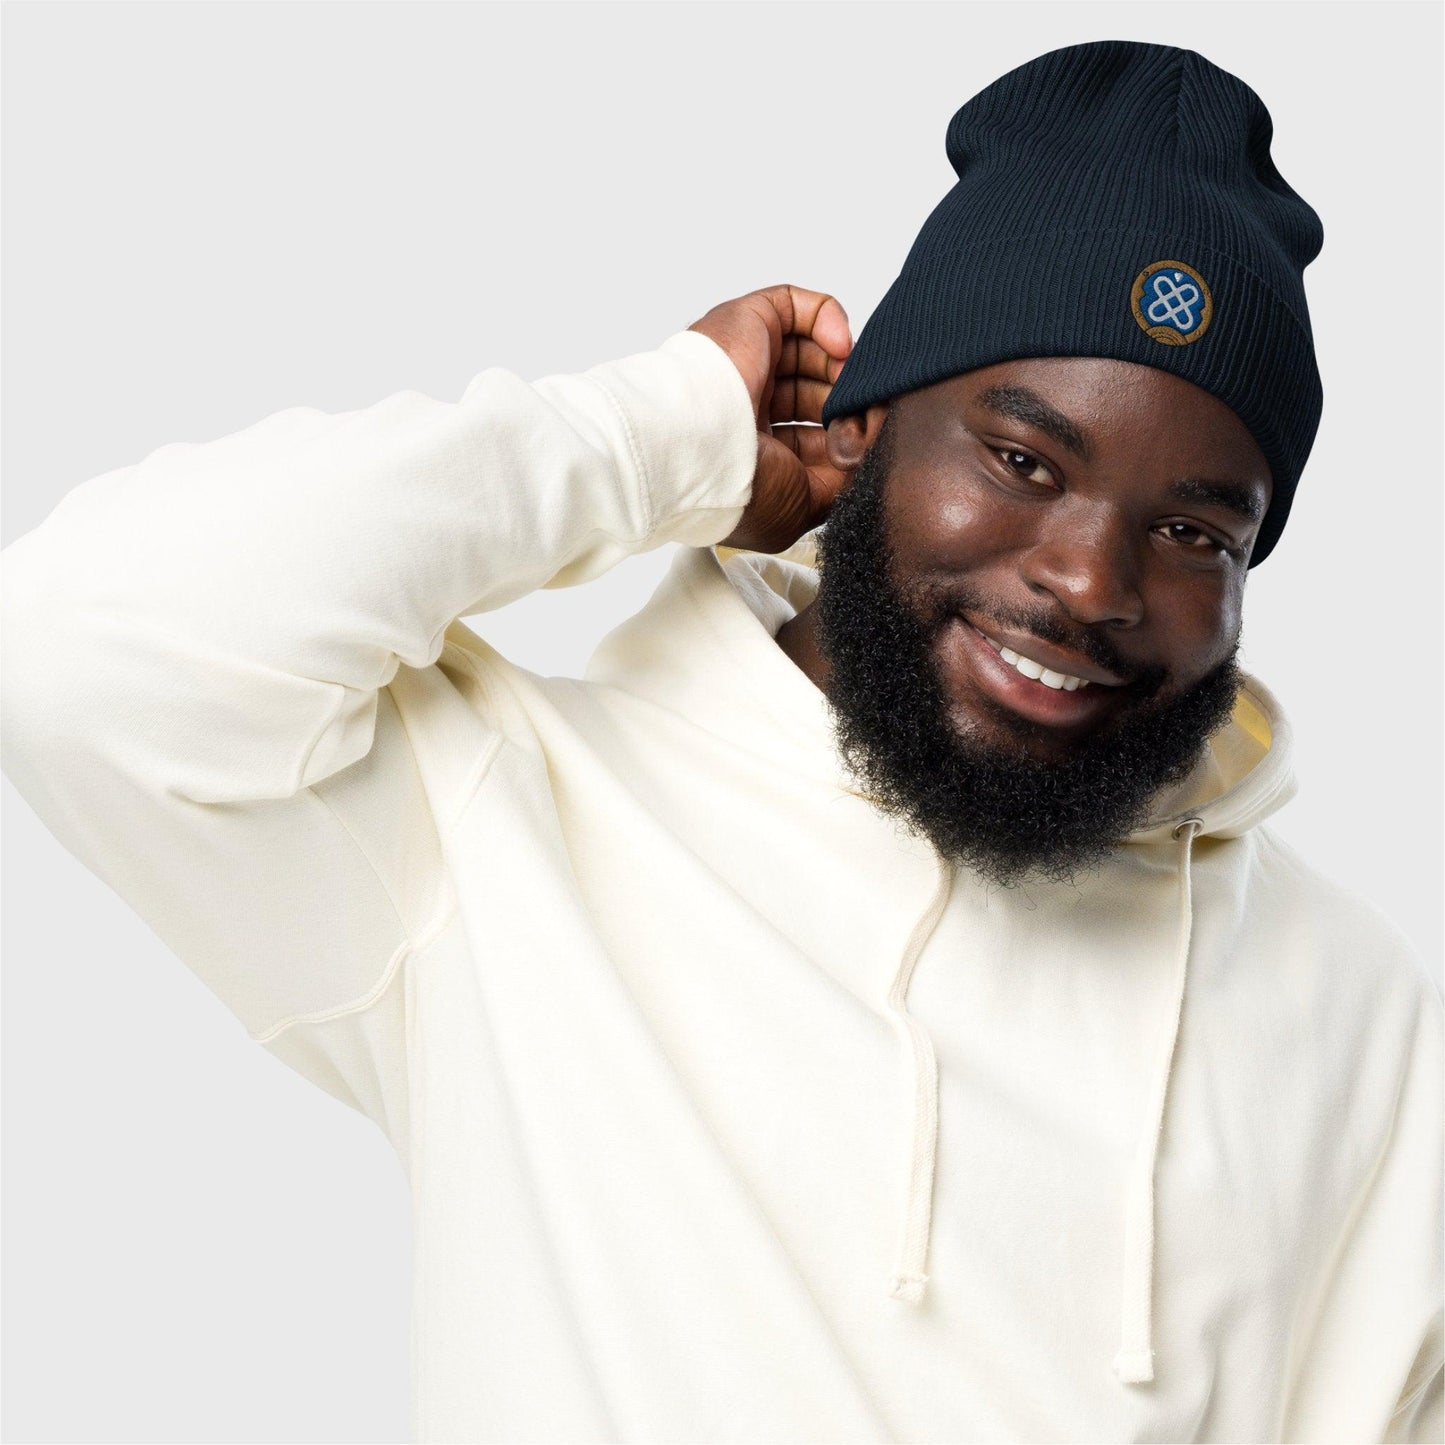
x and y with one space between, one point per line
730 1110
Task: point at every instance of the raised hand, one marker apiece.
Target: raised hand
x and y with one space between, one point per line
789 345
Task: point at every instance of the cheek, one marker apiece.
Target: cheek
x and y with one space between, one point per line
944 522
1199 631
1230 619
1224 615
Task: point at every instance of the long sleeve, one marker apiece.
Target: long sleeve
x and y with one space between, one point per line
1372 1360
198 647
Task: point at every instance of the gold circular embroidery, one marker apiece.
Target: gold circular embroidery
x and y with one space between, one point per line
1185 298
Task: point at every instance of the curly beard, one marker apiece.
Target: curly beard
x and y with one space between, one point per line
1004 813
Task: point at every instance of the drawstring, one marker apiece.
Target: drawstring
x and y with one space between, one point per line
908 1278
1134 1363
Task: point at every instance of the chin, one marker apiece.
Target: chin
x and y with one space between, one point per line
979 723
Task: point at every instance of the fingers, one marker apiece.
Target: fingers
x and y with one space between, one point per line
813 314
809 445
806 442
803 379
802 356
798 398
788 344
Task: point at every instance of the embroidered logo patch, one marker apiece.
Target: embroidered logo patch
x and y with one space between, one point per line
1171 302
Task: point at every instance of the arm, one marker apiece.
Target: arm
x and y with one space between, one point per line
197 649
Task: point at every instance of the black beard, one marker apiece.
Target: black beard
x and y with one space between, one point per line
1002 812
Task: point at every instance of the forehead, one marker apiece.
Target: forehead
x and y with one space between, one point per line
1101 410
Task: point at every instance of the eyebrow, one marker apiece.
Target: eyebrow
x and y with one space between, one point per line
1233 497
1022 404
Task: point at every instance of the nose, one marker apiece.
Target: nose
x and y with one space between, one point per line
1090 568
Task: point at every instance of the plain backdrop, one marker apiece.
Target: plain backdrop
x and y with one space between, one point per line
214 211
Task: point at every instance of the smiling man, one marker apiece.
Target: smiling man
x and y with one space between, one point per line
1055 605
869 1005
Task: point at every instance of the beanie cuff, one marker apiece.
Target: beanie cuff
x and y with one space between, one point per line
963 303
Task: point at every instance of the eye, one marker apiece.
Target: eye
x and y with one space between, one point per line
1196 539
1024 464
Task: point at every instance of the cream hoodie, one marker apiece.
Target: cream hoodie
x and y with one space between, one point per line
729 1111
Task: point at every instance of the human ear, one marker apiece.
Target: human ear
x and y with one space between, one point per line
848 437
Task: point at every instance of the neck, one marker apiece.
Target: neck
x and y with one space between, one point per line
798 637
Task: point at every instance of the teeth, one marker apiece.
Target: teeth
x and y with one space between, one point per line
1059 681
1025 665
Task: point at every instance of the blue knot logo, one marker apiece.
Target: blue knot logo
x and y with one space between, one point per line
1171 302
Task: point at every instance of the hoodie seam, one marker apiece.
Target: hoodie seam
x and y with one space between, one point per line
1413 1397
416 943
638 460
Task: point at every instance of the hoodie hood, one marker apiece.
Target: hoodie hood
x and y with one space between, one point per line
708 637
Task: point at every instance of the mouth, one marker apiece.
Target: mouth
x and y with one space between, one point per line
1053 699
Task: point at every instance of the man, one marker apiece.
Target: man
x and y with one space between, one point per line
867 1006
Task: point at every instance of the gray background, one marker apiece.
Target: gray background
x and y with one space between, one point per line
212 212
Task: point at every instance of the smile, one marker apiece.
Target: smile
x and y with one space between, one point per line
1061 681
1021 684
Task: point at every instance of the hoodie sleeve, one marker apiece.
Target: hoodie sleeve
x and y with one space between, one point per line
1371 1367
1407 1211
198 648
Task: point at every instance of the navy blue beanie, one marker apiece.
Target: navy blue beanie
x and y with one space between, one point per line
1113 199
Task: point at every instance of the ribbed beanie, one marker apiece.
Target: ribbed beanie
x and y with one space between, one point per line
1114 199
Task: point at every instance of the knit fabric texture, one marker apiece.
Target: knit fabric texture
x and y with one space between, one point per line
1114 199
